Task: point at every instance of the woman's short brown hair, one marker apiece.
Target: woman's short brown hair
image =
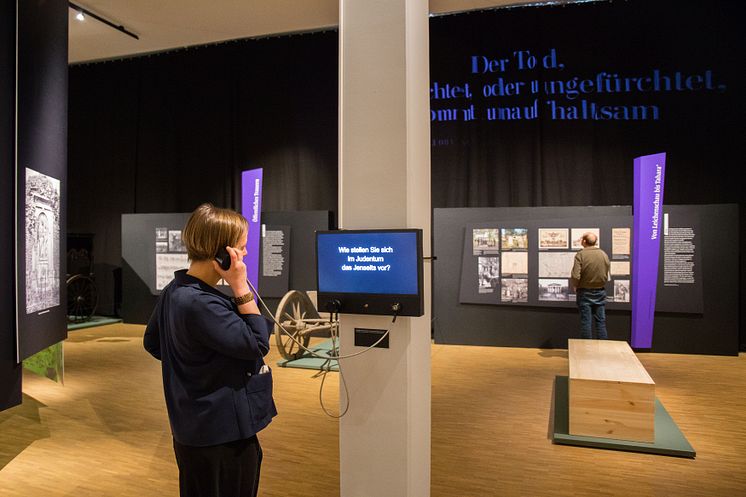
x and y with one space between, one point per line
210 228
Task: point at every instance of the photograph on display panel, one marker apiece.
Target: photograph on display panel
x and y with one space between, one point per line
514 290
554 290
620 238
42 241
489 274
485 241
620 268
514 263
556 264
175 244
553 238
514 238
577 236
166 265
621 291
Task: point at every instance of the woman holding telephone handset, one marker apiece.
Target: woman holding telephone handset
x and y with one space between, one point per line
218 389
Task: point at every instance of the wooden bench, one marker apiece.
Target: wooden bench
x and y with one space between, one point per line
610 393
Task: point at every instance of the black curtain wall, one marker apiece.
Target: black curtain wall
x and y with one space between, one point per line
546 119
687 57
164 133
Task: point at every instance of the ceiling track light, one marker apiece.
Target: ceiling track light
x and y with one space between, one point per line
82 12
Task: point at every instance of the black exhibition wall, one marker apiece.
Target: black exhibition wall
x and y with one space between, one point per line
41 161
574 93
713 330
33 89
10 370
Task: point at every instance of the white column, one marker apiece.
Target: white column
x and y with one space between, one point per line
384 182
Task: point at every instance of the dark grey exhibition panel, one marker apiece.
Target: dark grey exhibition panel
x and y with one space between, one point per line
10 370
518 269
302 247
303 226
680 268
274 263
140 247
41 161
715 331
546 249
709 325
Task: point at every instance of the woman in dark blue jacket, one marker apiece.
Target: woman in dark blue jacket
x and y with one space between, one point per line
218 389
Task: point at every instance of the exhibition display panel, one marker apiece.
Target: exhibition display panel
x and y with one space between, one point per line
41 176
491 299
152 249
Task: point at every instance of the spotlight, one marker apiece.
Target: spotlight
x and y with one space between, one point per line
82 12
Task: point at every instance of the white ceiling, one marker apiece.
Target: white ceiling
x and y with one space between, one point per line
168 24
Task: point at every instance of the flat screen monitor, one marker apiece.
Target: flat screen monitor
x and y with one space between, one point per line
370 271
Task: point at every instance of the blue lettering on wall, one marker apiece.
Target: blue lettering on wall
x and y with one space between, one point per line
528 85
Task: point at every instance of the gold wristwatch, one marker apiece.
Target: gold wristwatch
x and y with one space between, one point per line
244 299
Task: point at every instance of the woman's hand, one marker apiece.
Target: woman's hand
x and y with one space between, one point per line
235 276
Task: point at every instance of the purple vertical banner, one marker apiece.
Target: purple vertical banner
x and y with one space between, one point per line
649 173
251 208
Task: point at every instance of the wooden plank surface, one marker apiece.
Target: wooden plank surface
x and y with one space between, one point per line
623 411
605 360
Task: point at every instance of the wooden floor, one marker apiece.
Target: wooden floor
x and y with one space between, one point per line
105 432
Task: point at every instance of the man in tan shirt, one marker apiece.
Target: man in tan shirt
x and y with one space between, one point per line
590 272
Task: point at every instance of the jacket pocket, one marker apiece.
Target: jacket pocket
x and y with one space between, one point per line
259 394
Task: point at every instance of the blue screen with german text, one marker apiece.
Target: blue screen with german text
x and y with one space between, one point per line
373 262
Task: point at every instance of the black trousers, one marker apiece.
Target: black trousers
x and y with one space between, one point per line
226 470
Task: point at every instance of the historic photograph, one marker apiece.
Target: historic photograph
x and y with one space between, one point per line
553 238
161 234
489 274
42 241
485 241
620 268
553 289
161 247
620 241
556 264
514 263
514 238
174 242
577 236
621 291
514 290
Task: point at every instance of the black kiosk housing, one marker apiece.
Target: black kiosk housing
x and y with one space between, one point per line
376 272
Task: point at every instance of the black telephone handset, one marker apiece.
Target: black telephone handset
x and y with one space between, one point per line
223 258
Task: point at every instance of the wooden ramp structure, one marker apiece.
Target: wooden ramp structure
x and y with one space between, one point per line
611 395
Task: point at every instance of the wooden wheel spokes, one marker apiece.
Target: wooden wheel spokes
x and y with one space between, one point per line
301 320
